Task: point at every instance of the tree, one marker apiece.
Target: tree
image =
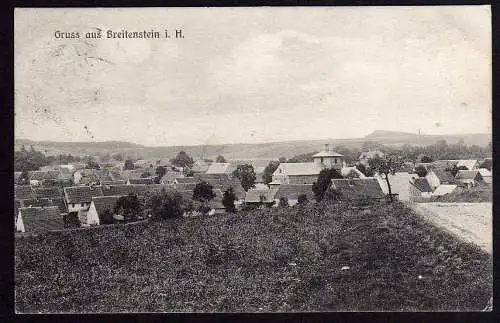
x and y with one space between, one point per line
421 171
106 217
302 199
321 185
160 171
269 170
129 164
24 179
183 160
454 169
424 159
228 200
92 164
203 192
246 174
145 175
367 171
282 159
165 204
129 207
283 202
220 159
387 165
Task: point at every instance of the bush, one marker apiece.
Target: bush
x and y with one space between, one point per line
283 202
302 199
166 205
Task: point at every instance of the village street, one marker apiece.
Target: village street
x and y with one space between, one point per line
471 222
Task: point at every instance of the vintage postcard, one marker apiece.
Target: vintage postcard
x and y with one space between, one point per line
295 159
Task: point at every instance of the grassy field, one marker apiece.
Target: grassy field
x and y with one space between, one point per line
263 260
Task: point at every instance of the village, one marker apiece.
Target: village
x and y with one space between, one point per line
82 195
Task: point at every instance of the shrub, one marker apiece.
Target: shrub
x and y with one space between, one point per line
302 199
283 202
165 205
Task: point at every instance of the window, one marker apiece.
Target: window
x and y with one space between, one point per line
72 204
335 160
82 204
321 159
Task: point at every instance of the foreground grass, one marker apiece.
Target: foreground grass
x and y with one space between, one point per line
270 260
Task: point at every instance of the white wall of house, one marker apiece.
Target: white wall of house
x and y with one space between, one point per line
279 176
433 180
76 207
77 176
20 223
34 182
329 162
92 215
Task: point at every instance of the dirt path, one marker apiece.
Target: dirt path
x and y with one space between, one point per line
472 222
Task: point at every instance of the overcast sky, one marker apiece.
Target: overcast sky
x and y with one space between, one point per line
252 74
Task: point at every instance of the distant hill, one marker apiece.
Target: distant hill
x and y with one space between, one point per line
396 137
262 151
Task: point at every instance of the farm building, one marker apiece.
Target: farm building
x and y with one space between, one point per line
23 192
470 164
469 178
39 219
292 192
122 190
355 189
78 198
297 173
144 180
170 177
420 190
487 175
444 189
98 206
220 168
259 197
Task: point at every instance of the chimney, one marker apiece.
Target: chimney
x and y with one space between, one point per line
327 147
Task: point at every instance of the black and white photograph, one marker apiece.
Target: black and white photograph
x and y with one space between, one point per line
253 159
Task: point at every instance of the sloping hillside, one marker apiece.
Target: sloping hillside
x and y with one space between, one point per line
296 259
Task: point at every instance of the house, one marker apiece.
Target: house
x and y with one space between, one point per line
470 164
297 173
170 177
487 175
351 172
223 182
356 189
432 179
108 183
257 197
444 176
185 183
116 176
78 198
23 192
328 159
37 177
292 192
143 180
469 178
419 189
98 206
39 219
220 169
259 174
200 166
122 190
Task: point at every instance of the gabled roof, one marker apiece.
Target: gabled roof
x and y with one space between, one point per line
103 203
23 192
444 189
186 180
116 176
118 182
132 173
170 176
42 219
253 195
443 175
39 175
358 188
467 174
325 153
119 190
469 163
297 169
47 192
81 194
220 168
144 180
185 186
292 191
223 182
485 172
421 184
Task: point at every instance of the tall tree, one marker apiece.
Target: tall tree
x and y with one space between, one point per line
203 192
385 166
421 171
228 200
246 174
367 171
118 157
129 207
165 204
321 185
183 160
160 172
129 164
220 159
269 170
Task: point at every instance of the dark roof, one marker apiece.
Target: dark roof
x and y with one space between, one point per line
103 203
358 188
292 191
253 195
138 189
23 192
422 184
48 192
116 176
468 174
185 180
185 186
146 180
223 182
80 194
117 182
39 175
444 175
170 176
187 194
42 219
